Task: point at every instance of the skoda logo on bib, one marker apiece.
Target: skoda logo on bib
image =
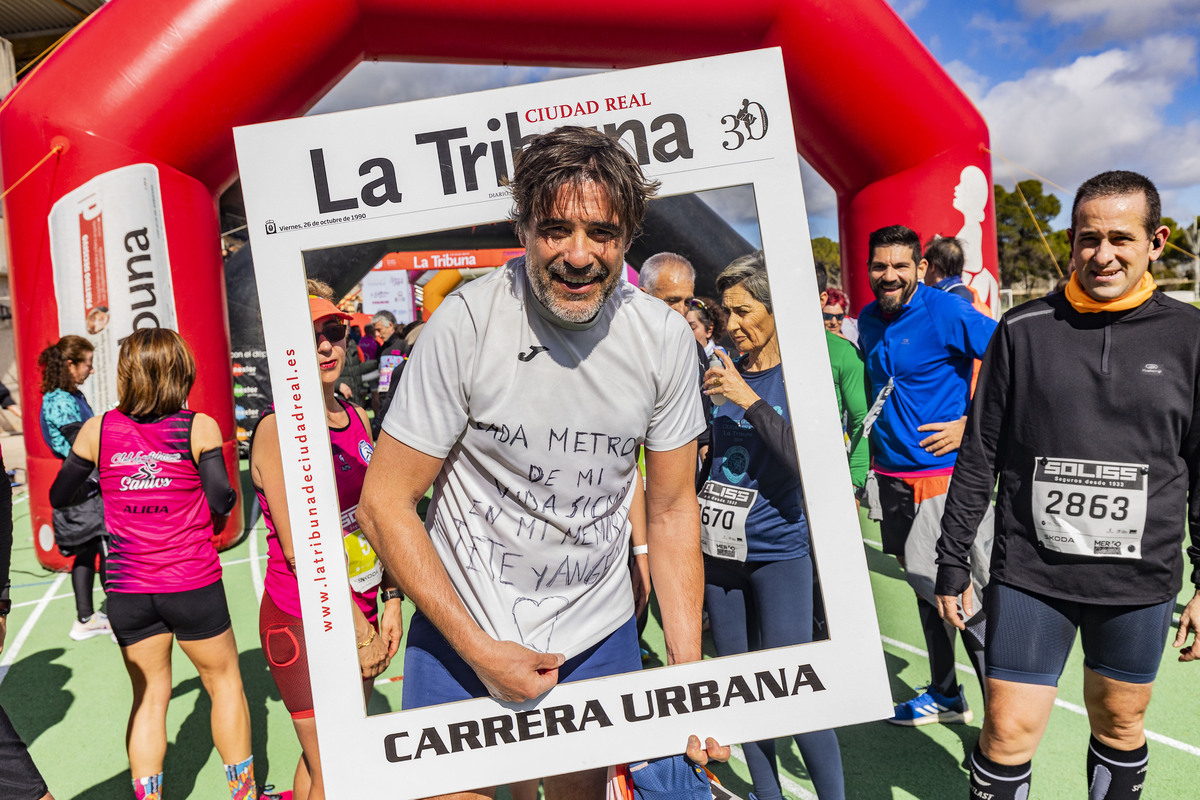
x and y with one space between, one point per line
365 450
735 463
1095 509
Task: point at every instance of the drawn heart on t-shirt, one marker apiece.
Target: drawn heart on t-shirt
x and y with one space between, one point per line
530 615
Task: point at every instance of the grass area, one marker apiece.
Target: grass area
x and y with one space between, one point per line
70 701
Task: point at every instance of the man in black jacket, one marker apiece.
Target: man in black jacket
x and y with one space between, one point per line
1088 411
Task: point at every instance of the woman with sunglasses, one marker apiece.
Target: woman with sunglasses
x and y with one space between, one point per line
164 474
280 625
836 314
758 576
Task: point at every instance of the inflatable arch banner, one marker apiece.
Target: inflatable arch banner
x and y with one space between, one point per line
699 137
158 87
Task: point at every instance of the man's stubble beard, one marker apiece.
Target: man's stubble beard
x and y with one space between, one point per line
576 312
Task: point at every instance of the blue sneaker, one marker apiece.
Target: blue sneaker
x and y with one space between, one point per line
929 707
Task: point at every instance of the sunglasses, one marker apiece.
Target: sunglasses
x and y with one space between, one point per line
333 331
828 316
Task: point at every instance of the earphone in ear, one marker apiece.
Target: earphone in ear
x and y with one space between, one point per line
1157 243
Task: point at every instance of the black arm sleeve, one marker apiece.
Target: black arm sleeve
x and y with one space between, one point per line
70 431
975 469
72 486
215 480
776 434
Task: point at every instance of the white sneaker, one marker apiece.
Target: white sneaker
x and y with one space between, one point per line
95 625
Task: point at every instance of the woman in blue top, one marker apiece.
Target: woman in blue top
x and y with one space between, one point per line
65 366
757 568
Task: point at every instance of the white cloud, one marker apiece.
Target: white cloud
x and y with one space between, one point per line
908 10
1102 111
1118 18
820 201
379 83
1001 32
970 80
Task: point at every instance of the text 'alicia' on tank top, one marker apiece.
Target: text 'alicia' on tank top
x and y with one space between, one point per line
154 506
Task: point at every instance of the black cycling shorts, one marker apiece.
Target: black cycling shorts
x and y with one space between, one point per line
1029 637
191 615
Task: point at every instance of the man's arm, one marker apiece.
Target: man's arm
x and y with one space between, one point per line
397 479
974 477
968 333
1189 620
673 534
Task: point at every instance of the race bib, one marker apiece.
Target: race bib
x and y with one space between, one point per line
363 567
1090 508
387 365
723 513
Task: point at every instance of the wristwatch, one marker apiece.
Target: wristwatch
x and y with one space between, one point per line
391 594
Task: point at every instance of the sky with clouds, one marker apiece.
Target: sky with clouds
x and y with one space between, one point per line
1069 88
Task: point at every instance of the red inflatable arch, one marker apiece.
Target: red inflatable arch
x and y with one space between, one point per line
148 82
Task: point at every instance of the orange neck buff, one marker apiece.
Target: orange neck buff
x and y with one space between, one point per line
1083 303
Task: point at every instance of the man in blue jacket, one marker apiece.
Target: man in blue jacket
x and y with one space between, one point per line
920 345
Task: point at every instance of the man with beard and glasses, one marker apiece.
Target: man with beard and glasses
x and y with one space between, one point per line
524 404
920 345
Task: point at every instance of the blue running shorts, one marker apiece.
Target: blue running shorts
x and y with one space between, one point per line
1029 637
435 674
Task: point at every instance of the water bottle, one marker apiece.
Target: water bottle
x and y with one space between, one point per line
714 361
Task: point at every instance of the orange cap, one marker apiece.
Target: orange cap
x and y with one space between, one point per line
319 307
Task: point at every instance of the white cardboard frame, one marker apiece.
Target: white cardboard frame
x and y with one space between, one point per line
838 682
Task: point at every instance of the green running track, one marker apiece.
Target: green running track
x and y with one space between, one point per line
70 702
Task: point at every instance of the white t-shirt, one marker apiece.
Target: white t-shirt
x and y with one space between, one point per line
538 422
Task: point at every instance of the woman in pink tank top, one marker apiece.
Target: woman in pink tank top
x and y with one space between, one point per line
166 489
280 626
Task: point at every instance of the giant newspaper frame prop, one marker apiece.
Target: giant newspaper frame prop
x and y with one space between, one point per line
389 171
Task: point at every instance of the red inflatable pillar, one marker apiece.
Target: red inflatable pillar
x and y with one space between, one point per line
146 82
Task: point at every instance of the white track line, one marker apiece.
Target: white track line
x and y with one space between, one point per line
14 649
1075 709
255 565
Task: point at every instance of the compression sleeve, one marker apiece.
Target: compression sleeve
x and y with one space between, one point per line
215 480
776 434
975 470
71 479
